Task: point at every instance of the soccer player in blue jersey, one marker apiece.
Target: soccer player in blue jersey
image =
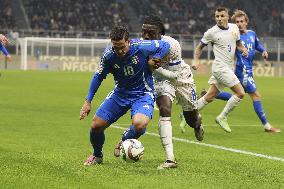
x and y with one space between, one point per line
3 42
131 62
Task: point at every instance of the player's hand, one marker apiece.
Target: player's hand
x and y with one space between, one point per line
245 52
85 110
155 63
195 64
265 54
4 40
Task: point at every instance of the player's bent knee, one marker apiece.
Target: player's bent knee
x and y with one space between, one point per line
241 95
255 96
97 128
140 125
98 124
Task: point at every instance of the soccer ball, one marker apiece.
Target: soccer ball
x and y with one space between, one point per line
131 150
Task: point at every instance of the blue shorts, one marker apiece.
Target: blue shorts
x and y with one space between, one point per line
248 84
116 106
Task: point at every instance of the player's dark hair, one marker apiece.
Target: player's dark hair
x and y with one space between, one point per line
118 33
220 9
239 13
156 21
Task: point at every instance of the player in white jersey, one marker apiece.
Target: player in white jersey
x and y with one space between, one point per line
225 38
173 79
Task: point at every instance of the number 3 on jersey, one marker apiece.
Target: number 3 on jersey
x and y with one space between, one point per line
128 70
229 48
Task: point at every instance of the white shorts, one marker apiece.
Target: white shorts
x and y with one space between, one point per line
185 94
223 77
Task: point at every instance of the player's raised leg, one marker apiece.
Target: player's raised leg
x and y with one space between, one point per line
231 104
208 97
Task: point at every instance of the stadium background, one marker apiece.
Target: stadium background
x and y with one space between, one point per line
42 142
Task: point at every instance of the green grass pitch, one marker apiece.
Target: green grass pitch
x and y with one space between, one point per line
43 144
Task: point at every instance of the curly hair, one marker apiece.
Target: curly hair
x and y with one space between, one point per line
156 21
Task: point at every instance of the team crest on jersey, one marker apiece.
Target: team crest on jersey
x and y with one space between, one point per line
135 60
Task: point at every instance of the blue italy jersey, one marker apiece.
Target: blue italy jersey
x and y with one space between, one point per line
132 75
244 64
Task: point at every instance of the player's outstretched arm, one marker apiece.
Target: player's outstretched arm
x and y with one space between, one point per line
166 74
197 54
85 110
260 48
242 48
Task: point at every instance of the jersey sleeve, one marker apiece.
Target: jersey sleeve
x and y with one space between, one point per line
258 45
207 37
103 69
154 48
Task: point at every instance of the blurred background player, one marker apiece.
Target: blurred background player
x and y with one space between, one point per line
173 79
4 41
225 38
128 61
244 68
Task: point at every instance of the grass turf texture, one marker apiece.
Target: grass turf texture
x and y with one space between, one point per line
43 144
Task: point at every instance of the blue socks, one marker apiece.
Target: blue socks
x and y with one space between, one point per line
131 133
224 96
259 111
97 140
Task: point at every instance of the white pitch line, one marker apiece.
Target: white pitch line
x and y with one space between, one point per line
215 146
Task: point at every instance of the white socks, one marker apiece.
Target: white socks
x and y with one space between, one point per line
231 104
165 131
201 103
